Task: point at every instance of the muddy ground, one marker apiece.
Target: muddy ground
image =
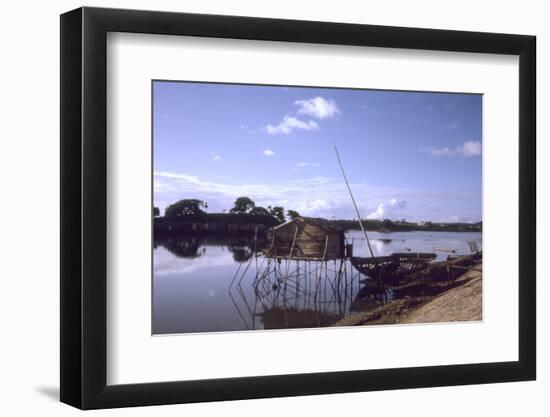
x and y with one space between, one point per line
449 301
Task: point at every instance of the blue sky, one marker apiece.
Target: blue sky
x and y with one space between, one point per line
407 155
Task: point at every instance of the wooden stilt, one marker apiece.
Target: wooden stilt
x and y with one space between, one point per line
321 270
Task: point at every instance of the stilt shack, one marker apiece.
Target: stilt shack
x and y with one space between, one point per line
306 238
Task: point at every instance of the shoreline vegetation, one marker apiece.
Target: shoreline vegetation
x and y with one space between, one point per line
189 217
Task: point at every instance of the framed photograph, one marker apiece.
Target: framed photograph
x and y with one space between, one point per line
256 208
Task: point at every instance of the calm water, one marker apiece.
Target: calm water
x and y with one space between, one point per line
206 285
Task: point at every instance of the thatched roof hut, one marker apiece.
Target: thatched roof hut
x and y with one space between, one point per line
306 238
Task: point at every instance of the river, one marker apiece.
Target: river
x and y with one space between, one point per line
212 285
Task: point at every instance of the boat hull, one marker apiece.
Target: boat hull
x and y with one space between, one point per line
394 266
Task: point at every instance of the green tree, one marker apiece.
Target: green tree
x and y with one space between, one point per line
292 214
243 205
277 212
388 224
260 211
187 207
156 212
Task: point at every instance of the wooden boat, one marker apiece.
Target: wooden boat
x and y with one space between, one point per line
396 265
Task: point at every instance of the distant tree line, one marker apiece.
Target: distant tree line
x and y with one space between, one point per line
245 210
405 226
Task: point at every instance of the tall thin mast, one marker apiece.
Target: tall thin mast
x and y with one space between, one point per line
353 199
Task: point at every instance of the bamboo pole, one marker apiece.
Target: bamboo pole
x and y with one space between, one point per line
318 275
291 250
256 245
235 276
353 199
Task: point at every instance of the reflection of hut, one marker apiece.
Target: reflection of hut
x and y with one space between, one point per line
306 238
291 318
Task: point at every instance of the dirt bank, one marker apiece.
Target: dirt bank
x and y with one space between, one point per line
461 302
458 304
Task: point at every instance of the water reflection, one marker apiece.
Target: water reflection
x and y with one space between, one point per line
183 248
294 294
213 284
442 243
192 247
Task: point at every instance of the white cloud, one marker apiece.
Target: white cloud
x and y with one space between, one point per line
268 152
288 124
388 210
318 107
308 164
461 219
330 197
320 207
468 149
216 157
438 151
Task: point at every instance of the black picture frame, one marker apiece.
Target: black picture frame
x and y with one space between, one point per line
84 207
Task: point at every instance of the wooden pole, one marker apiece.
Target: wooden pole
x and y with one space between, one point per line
289 260
353 200
321 271
256 245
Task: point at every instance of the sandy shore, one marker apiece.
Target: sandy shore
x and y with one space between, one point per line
462 302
